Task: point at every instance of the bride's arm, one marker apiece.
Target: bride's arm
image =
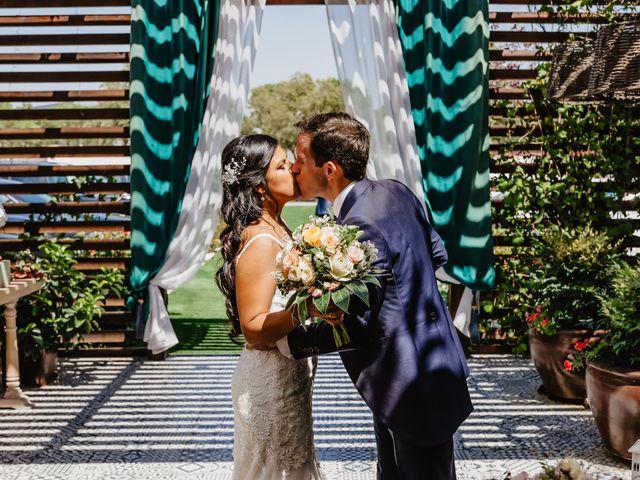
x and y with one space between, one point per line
255 287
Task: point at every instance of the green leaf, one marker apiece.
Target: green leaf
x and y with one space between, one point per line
360 290
371 279
291 301
341 299
301 304
322 303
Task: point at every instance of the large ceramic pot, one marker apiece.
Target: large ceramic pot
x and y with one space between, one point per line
548 353
614 396
39 372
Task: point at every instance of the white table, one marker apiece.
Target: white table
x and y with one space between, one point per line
13 396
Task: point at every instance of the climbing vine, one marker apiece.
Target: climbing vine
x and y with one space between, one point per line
565 165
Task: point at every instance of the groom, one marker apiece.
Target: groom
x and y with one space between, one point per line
404 357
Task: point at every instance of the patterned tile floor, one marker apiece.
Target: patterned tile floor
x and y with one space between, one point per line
135 419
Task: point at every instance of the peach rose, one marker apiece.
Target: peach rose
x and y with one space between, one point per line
314 292
355 254
329 240
311 235
330 286
291 259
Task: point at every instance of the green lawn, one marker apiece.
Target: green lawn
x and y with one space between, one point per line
197 309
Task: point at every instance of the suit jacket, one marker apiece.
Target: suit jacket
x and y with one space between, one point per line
404 357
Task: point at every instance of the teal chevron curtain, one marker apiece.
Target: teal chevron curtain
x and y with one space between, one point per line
172 45
445 50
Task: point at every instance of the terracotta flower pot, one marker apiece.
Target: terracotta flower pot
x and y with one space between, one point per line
614 396
548 353
40 372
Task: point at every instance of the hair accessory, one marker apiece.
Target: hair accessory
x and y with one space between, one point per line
232 170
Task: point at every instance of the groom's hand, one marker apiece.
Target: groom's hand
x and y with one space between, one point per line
333 315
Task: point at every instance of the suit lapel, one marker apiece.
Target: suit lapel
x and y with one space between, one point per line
352 197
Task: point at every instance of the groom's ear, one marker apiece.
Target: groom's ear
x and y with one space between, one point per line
332 168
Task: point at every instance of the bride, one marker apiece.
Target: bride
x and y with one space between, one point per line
273 436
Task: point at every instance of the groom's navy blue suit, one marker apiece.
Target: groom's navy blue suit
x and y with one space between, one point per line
404 358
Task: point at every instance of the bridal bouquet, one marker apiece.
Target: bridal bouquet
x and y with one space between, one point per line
325 261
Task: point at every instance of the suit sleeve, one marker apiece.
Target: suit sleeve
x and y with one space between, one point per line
317 338
438 253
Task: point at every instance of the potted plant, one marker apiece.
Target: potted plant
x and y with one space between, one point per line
565 315
613 363
67 306
566 469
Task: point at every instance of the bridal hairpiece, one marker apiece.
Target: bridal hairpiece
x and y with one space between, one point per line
232 170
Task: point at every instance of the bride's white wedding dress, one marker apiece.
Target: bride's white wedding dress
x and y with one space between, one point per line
273 436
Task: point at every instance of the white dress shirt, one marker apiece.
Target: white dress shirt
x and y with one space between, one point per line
337 203
283 343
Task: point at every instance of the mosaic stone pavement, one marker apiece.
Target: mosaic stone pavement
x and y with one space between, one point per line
136 419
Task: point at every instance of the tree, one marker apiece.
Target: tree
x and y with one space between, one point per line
276 108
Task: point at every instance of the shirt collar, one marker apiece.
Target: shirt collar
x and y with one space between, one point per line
337 203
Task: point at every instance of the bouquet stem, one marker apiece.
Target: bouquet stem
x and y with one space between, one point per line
340 335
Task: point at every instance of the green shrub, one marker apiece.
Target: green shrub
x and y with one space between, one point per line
69 303
569 278
620 344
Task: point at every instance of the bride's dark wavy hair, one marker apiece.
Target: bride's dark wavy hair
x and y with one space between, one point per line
242 205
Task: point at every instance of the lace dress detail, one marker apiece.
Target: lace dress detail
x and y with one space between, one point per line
273 435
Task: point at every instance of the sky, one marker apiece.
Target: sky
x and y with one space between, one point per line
293 39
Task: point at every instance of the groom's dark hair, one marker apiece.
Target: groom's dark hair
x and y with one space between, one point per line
339 137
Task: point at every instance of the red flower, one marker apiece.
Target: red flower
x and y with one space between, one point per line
568 366
532 317
539 308
579 346
544 322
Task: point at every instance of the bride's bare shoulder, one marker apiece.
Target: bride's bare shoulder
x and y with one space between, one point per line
257 231
259 245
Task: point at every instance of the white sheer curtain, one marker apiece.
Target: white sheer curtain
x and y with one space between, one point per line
238 36
374 86
370 66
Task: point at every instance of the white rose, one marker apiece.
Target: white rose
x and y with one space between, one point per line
294 274
307 275
340 267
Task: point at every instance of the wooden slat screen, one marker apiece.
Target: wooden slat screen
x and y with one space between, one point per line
80 111
38 127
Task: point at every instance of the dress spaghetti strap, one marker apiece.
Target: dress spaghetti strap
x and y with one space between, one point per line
255 237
